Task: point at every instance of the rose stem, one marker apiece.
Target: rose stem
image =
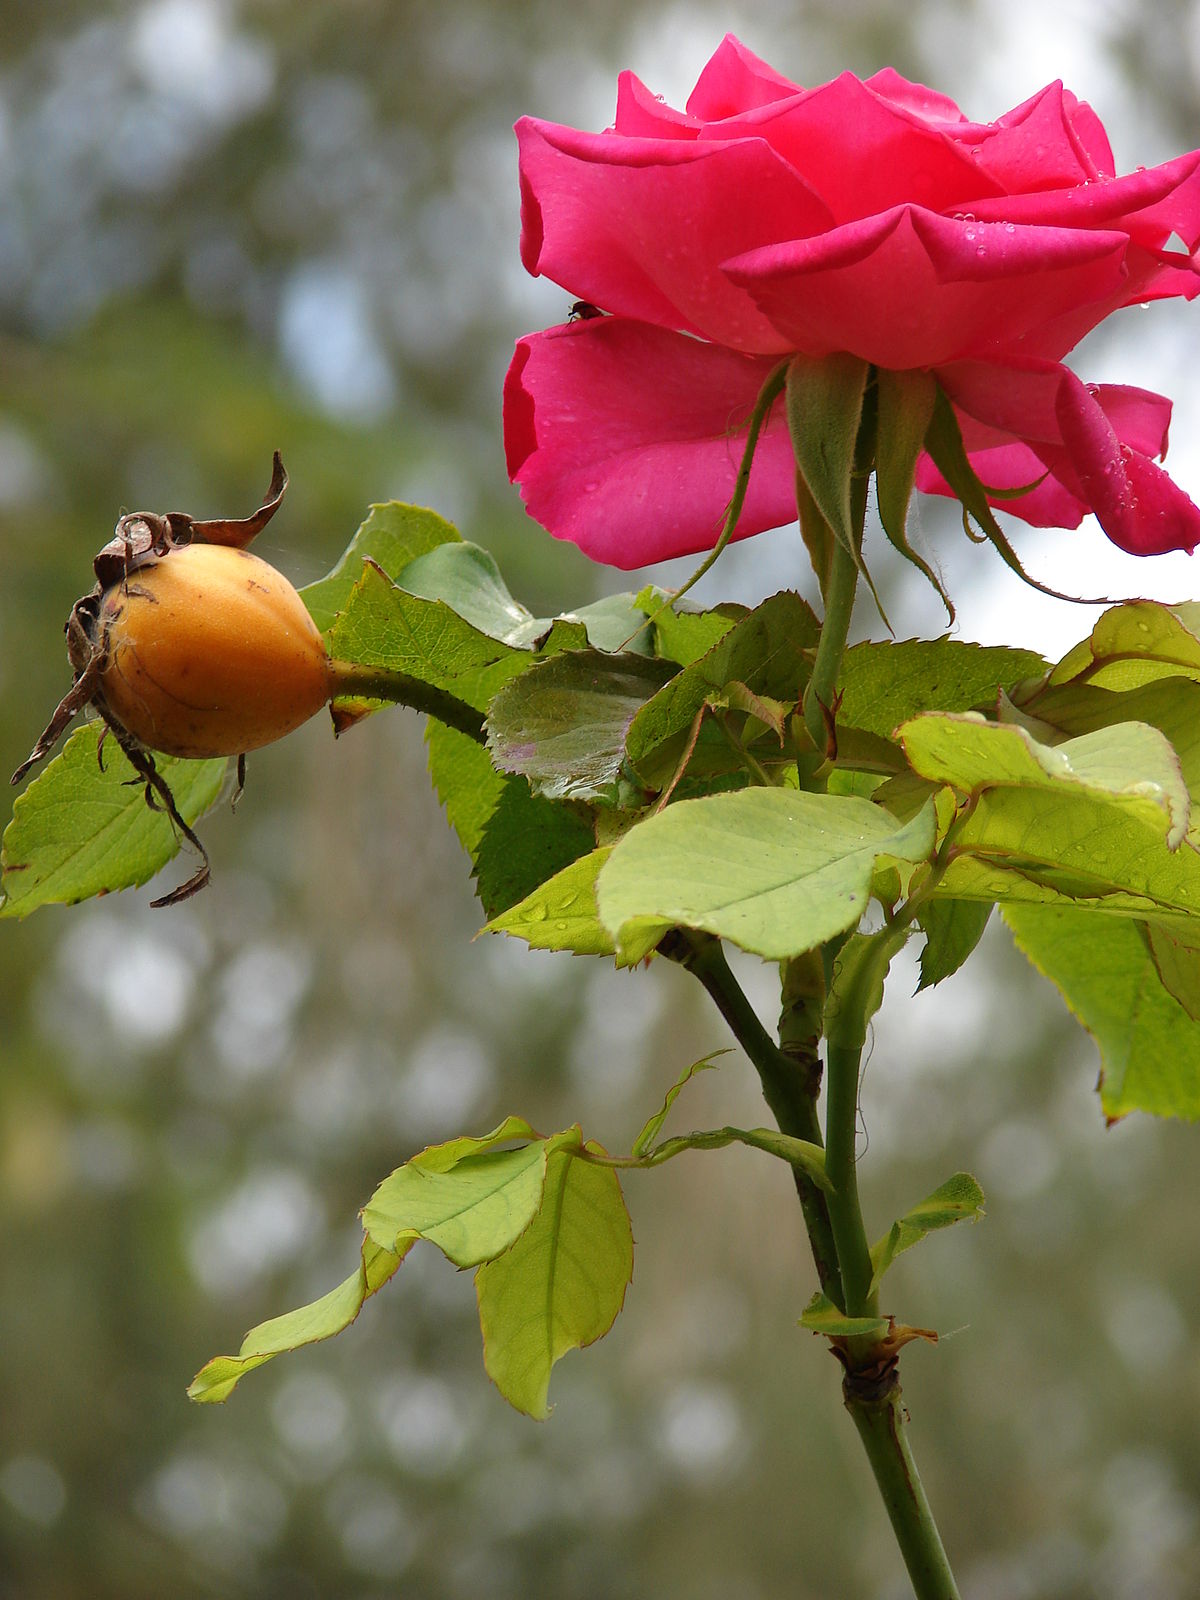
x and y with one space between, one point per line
871 1397
787 1090
881 1427
871 1387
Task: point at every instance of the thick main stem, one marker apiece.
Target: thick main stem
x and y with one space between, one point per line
882 1429
838 1239
841 1164
871 1387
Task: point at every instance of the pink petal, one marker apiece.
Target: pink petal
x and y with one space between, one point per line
1019 399
1149 205
1159 275
909 288
926 103
861 152
1033 147
1148 276
1136 503
734 81
626 439
1011 416
640 226
642 115
1089 135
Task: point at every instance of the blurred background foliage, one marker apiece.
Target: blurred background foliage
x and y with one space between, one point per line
228 227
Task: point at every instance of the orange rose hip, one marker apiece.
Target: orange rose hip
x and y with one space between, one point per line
210 652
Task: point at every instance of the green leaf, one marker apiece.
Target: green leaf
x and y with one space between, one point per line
959 1199
1134 644
905 409
465 576
324 1318
774 871
652 1128
1105 971
1132 767
562 724
561 1285
383 626
560 914
525 841
801 1153
393 535
772 714
882 685
1172 705
516 840
465 781
684 636
1175 952
1091 832
824 408
769 651
822 1316
615 624
78 831
952 929
467 1197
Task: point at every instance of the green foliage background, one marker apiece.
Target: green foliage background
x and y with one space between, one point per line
194 1104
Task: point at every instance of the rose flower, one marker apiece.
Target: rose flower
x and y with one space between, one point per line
867 217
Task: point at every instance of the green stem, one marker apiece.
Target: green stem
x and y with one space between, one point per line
881 1427
845 1211
354 680
790 1097
871 1388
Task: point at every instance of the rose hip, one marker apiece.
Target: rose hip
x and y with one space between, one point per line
210 652
190 646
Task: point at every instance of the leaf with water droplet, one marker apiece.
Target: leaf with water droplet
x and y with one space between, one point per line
561 915
1096 820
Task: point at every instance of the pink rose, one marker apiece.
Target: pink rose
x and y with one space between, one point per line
863 217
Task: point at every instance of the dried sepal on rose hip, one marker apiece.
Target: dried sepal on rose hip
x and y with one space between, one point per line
190 646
